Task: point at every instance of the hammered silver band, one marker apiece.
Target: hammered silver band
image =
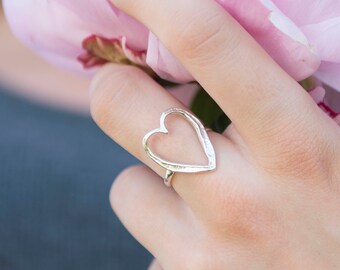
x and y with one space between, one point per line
172 167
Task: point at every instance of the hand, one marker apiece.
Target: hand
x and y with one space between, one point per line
274 200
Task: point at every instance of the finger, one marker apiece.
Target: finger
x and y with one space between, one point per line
155 265
153 214
127 104
248 85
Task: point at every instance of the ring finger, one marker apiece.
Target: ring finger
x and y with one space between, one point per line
127 104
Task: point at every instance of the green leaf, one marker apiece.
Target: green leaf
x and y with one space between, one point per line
308 84
165 83
209 112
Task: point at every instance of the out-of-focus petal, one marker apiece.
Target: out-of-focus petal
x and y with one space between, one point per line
277 34
326 101
107 21
329 73
59 27
318 94
297 34
185 93
325 37
304 12
164 63
333 99
69 64
41 25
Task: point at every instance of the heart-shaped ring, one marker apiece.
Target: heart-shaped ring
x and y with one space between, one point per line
203 138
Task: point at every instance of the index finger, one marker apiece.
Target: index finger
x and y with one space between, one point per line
248 85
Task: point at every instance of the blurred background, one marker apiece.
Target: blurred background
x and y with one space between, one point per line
56 170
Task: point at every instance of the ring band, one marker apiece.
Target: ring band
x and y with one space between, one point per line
172 167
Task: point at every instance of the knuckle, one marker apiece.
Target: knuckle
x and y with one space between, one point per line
298 151
200 39
241 210
290 143
108 89
247 216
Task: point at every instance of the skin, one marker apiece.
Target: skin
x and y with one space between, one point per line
274 200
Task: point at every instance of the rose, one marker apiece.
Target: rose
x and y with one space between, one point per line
59 30
299 35
302 36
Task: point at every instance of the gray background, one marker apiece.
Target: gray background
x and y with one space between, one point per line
56 170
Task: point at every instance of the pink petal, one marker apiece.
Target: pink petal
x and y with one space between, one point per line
39 25
304 12
107 21
164 63
333 99
329 73
318 94
277 34
298 34
69 64
58 27
137 57
325 37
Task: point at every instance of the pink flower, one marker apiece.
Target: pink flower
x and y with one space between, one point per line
56 29
303 36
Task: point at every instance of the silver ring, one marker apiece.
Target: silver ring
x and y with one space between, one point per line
172 167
